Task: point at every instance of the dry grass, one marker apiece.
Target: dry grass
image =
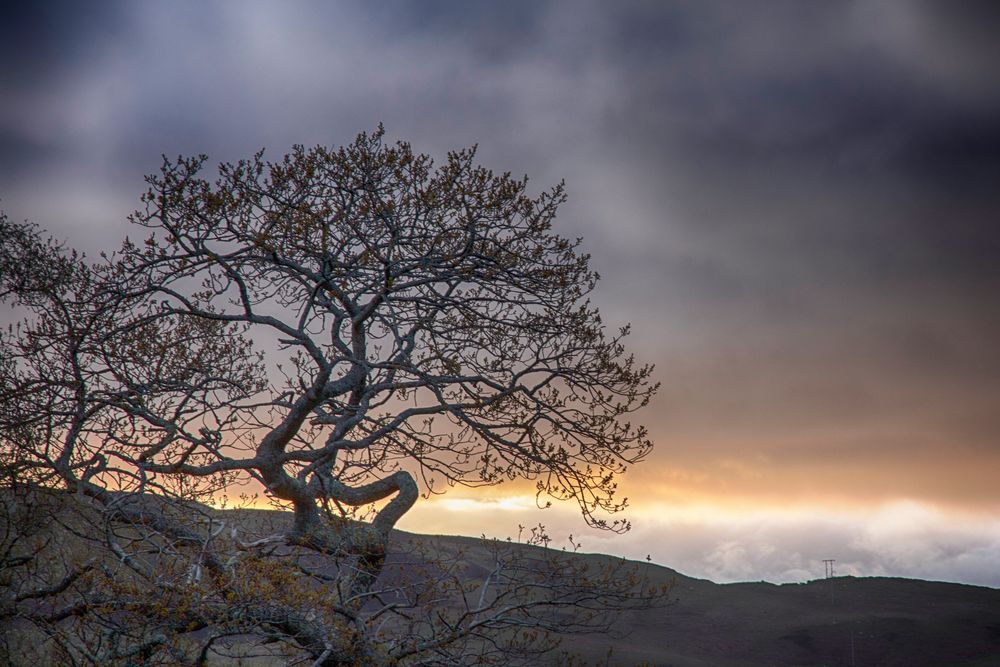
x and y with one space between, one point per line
841 621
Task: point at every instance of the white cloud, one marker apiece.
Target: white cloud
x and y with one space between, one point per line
898 539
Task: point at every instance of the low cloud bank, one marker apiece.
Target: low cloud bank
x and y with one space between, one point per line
897 539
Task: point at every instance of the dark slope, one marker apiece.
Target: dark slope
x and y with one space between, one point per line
874 621
846 621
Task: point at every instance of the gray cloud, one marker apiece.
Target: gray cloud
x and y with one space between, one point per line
898 539
793 202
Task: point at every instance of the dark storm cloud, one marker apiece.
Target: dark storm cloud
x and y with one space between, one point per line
489 32
828 176
43 41
807 126
794 202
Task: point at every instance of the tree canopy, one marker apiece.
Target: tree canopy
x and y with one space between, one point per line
347 328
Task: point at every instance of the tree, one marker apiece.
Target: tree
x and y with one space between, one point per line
427 329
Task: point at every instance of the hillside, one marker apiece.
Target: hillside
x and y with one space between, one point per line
840 621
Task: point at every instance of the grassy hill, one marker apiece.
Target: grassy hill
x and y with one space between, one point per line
870 621
841 621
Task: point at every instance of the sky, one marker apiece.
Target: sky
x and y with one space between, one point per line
794 204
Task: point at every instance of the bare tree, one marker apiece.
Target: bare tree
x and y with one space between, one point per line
426 328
